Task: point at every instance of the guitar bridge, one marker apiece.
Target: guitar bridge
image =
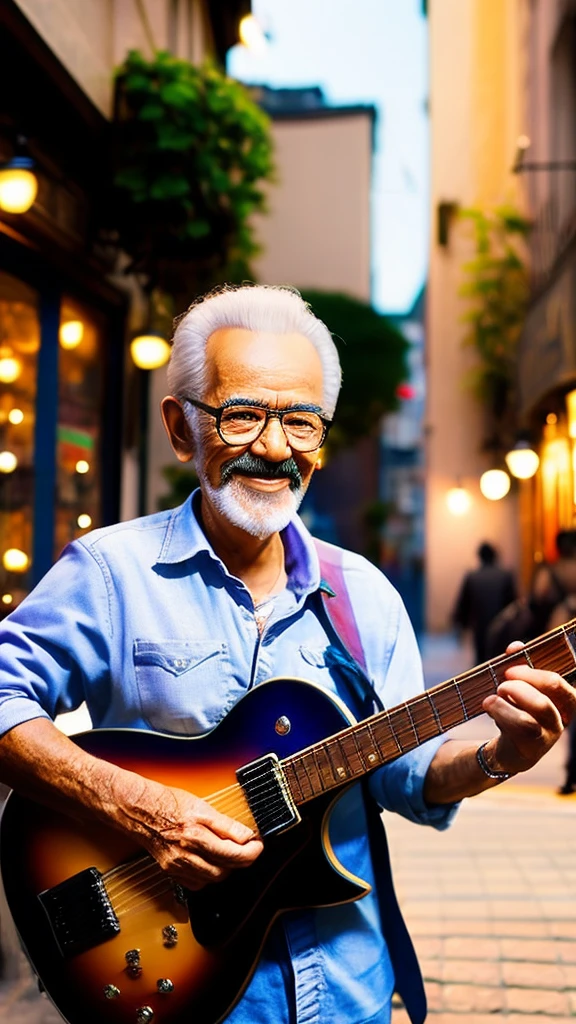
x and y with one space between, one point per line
80 912
268 795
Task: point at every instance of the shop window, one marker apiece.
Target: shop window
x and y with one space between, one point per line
80 392
19 346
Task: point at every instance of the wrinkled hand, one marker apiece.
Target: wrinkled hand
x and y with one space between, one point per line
194 843
531 709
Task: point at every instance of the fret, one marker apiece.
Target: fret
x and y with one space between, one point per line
363 746
434 711
424 721
323 768
349 744
308 787
461 699
359 751
494 676
339 770
474 688
372 755
413 724
395 734
448 707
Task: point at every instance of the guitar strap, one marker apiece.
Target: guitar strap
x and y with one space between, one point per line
340 614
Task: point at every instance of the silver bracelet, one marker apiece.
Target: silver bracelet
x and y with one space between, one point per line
490 772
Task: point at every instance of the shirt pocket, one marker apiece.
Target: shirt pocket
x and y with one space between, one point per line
184 686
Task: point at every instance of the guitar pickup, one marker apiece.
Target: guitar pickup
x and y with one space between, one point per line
80 912
268 795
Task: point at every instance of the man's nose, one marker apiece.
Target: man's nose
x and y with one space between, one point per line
272 443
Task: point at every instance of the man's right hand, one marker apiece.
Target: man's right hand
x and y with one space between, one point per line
194 843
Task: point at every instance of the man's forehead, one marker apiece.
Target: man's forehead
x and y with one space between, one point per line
237 357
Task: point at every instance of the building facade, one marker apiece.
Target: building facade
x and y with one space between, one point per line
69 395
546 163
478 68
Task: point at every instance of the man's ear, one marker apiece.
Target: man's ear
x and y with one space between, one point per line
179 433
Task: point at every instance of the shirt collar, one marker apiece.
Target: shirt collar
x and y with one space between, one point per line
185 539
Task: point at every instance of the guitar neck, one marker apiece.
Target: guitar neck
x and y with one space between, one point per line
375 741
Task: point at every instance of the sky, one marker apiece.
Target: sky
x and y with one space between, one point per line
364 51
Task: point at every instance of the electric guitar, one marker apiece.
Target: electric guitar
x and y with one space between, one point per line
113 939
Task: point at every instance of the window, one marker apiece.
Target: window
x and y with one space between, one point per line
19 346
80 392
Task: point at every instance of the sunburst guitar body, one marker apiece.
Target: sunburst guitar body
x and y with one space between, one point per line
110 936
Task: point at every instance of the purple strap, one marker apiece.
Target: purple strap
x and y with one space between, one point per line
337 600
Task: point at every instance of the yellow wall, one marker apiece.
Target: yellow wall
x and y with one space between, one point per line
476 62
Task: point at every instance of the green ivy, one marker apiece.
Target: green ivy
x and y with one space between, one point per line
497 289
191 152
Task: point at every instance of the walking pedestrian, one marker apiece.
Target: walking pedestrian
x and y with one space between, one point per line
484 592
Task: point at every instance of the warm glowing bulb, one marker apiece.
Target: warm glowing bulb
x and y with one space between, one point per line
82 466
15 416
458 501
84 521
150 351
8 462
494 484
10 369
7 598
15 560
71 333
18 189
522 461
251 34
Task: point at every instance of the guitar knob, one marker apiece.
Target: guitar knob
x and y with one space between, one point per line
165 985
144 1014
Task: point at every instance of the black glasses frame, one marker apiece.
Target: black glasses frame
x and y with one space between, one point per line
218 412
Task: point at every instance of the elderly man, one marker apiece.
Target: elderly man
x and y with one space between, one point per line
164 623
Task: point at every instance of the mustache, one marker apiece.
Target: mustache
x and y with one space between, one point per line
251 465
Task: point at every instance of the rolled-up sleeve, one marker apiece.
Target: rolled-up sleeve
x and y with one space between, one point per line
54 641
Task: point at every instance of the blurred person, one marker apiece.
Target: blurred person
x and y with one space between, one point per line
175 621
484 592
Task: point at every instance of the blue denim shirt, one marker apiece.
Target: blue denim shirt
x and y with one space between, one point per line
144 623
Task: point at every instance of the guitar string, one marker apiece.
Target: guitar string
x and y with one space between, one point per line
232 798
144 897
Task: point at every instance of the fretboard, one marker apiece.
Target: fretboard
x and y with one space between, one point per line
375 741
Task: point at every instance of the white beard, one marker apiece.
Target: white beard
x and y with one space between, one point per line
259 513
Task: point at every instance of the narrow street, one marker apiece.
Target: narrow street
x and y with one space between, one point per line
491 902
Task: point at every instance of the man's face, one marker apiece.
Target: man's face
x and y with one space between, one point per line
257 487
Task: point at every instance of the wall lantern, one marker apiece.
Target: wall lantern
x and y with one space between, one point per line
458 500
494 484
18 183
71 333
10 366
8 462
15 560
150 351
522 460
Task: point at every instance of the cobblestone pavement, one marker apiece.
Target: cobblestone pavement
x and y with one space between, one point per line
490 903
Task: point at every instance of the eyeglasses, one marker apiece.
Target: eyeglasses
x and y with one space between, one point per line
242 424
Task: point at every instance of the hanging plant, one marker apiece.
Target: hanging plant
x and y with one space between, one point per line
497 288
192 151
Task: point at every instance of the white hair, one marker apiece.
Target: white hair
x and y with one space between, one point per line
275 308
